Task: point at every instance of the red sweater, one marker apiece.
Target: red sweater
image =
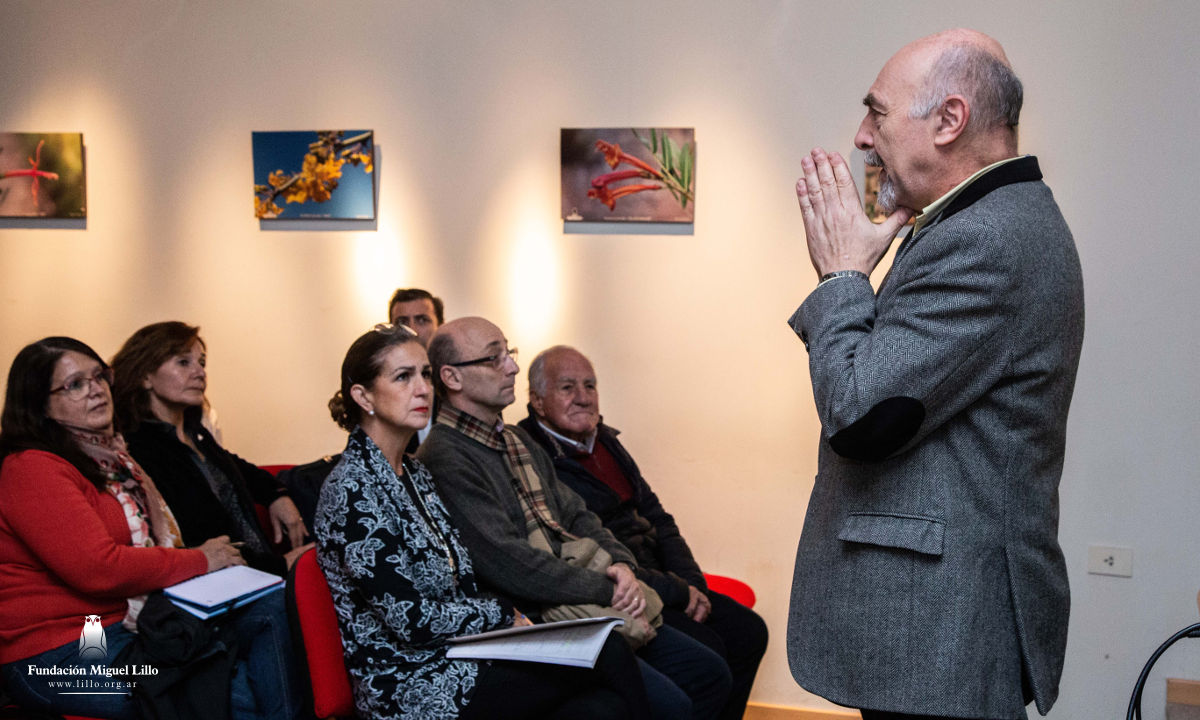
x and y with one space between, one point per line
65 553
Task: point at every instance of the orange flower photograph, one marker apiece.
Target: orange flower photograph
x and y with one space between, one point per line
323 175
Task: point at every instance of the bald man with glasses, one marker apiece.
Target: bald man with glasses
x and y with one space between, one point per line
515 516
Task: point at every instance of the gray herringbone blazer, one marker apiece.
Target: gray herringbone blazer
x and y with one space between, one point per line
929 579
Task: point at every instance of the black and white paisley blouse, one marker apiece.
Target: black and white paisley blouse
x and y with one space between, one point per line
402 584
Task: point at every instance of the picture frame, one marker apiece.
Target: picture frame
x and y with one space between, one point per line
314 175
628 175
42 175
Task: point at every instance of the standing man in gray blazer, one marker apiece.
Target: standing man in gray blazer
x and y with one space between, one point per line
929 580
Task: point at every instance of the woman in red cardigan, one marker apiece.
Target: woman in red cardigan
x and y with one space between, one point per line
84 535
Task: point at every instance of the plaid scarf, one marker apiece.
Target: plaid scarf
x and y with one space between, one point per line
518 461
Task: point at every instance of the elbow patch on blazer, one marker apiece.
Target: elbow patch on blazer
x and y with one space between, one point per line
882 431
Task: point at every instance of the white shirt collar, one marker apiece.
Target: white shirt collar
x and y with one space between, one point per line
574 444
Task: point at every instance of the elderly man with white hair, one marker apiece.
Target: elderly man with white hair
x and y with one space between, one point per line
564 418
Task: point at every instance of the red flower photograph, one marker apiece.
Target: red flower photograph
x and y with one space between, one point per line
41 175
628 175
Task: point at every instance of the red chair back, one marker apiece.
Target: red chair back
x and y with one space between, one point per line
732 587
313 610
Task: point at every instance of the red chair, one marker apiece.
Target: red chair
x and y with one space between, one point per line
732 587
312 608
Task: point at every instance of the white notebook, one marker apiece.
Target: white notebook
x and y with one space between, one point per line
222 590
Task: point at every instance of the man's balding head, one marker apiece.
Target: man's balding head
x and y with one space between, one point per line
942 108
473 367
969 63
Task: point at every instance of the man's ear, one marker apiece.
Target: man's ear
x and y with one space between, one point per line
450 378
952 117
536 401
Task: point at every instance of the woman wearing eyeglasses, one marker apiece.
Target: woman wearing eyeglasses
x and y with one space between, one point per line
403 583
83 533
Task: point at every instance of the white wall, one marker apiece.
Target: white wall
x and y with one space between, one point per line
687 332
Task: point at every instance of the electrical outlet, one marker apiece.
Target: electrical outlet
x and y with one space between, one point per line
1117 561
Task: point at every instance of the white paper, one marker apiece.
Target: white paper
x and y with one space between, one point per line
570 642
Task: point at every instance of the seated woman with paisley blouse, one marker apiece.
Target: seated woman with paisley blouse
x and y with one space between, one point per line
402 582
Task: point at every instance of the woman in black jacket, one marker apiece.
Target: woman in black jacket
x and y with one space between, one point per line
159 397
158 393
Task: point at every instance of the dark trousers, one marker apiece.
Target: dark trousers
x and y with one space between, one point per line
883 715
737 634
613 690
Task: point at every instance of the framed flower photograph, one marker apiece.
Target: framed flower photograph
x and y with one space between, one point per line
628 175
319 174
42 176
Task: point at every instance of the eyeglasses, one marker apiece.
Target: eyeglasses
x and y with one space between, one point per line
78 387
394 329
496 361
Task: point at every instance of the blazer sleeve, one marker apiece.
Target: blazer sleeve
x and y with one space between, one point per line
46 504
887 372
263 486
480 504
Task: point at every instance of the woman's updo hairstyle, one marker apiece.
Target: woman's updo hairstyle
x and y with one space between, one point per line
363 363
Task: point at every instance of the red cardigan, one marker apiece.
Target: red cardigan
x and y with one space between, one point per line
65 553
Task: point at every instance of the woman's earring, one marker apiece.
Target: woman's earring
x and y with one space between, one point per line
370 412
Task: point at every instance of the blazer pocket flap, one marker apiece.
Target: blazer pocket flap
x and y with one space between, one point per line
909 532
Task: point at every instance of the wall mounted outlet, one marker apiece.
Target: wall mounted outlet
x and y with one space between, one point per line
1115 561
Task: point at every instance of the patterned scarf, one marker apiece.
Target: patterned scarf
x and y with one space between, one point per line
151 523
518 461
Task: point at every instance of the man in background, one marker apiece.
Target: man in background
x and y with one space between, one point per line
419 309
929 580
424 313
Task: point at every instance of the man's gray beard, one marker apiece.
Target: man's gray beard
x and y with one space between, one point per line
885 198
